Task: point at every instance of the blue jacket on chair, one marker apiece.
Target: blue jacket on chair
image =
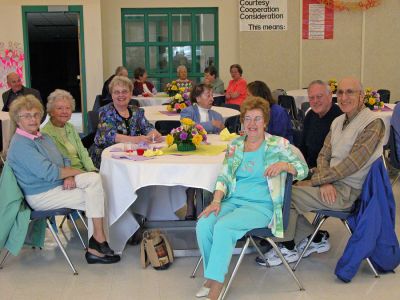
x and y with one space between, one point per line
373 227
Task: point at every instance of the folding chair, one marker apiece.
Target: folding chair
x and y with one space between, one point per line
384 95
288 102
165 126
262 233
233 124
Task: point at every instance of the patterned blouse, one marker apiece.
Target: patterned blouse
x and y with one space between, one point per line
112 123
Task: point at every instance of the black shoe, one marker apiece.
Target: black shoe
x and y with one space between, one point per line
103 247
94 259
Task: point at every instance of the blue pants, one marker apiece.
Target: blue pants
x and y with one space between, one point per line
217 235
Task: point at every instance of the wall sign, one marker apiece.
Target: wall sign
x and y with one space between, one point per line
260 15
317 20
11 60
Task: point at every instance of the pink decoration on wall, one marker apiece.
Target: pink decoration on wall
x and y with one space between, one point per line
11 60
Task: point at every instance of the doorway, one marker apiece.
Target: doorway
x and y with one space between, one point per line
54 51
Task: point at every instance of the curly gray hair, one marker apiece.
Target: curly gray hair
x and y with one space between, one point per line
59 94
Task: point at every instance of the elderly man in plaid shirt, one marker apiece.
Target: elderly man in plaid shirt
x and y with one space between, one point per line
354 142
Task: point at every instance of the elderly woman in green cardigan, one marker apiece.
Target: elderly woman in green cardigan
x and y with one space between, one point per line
60 105
248 194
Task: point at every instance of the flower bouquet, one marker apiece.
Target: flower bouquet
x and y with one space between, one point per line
372 99
333 85
188 136
179 102
172 88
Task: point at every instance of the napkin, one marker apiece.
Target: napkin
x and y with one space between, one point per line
225 135
151 153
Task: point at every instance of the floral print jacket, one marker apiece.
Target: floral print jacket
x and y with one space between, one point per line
111 123
277 149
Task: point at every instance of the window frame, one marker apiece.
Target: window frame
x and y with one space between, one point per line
194 74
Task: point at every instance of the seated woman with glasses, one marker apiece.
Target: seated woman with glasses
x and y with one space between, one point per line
120 122
43 175
248 193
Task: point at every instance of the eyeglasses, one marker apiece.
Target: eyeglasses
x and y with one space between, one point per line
348 92
257 119
123 92
30 116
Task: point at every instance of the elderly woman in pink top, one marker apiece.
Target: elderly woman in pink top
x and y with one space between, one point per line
237 88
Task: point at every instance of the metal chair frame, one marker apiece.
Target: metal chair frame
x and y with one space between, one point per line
261 233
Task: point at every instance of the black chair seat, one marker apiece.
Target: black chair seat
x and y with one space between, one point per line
343 215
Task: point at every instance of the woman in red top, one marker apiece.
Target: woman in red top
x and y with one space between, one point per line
237 88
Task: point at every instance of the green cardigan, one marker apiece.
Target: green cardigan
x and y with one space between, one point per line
276 149
15 216
75 140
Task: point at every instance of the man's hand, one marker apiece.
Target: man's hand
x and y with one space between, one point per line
328 193
69 183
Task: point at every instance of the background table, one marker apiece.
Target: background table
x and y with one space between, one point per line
158 99
386 116
153 113
6 128
124 179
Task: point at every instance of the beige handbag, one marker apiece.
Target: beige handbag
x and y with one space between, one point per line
156 250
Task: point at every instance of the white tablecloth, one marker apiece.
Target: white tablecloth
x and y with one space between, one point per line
386 116
159 99
153 113
300 96
122 180
6 127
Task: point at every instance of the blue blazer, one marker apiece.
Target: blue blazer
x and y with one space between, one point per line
373 229
279 123
192 112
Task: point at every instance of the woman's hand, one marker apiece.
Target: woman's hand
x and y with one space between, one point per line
218 124
276 169
213 207
69 183
154 136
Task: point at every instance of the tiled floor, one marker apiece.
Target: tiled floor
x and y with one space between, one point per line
44 274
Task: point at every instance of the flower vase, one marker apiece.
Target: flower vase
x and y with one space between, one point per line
186 147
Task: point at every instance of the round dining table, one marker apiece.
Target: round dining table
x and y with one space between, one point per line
158 99
160 113
154 188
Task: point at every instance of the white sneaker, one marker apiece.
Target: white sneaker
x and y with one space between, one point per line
273 259
203 291
321 247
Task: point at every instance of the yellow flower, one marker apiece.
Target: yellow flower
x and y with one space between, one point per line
169 108
174 88
178 97
169 139
371 101
368 90
182 105
197 139
381 104
173 82
333 88
182 89
187 121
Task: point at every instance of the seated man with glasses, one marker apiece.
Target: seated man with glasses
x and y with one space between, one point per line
353 143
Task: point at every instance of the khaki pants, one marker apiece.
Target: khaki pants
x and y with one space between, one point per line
307 199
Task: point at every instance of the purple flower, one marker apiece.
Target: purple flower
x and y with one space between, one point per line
183 136
188 103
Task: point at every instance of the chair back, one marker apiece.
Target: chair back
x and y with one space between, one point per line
165 126
97 103
287 199
134 102
393 147
233 124
289 104
219 101
384 95
93 120
304 107
276 93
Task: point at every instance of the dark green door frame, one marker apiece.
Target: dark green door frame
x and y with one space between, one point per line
71 8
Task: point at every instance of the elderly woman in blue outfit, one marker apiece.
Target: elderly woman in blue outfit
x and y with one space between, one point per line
201 112
248 193
120 122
